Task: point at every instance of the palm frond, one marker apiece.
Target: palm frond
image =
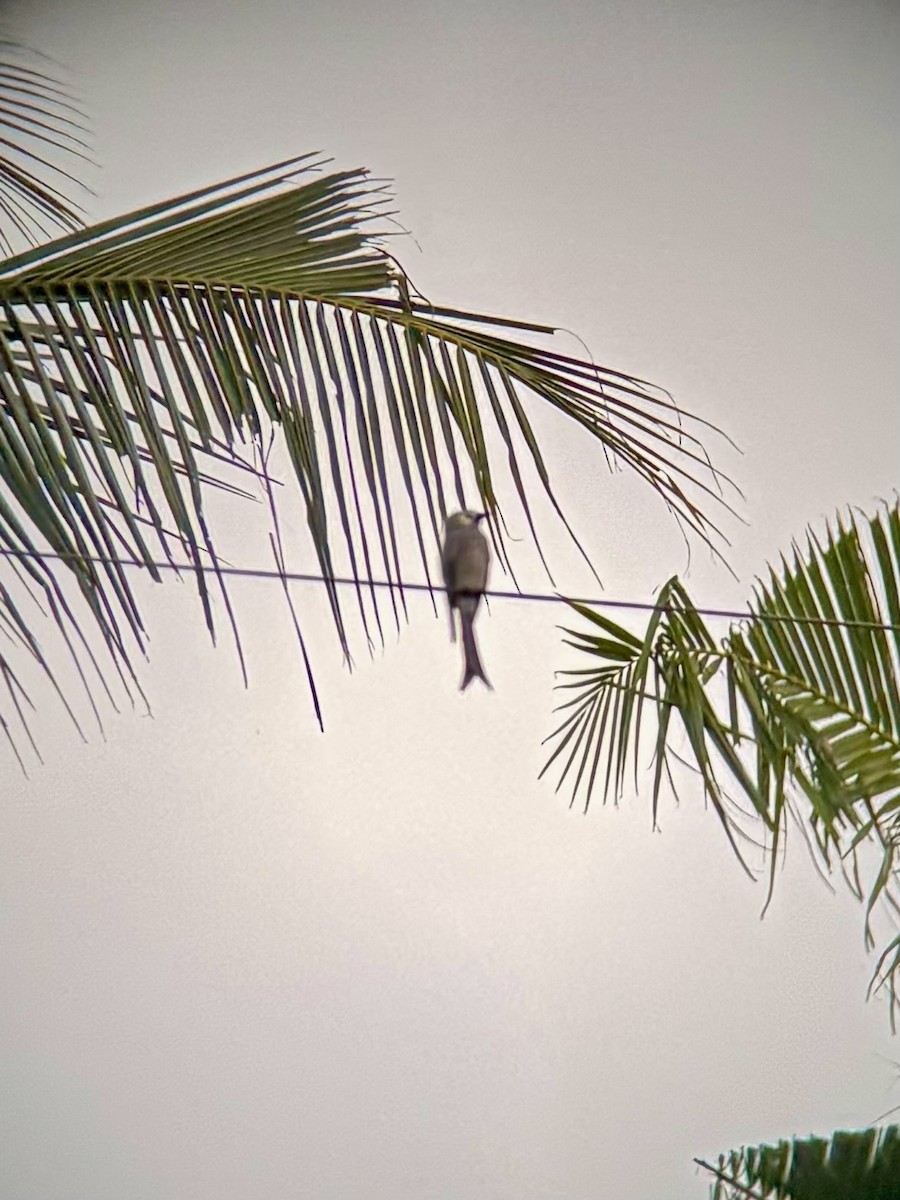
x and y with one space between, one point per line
145 354
862 1163
796 710
40 131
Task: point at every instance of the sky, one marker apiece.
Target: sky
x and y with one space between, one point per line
246 958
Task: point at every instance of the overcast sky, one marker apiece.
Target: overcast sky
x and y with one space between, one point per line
245 959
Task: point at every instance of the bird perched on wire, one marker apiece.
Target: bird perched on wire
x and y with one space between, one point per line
465 559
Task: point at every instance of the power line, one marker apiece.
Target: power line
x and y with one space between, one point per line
396 585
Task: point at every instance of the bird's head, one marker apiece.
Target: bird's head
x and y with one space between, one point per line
463 520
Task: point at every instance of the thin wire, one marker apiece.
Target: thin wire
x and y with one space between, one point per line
362 580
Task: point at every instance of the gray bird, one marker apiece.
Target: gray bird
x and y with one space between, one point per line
465 559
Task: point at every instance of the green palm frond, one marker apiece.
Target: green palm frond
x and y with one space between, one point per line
796 711
40 130
860 1164
146 355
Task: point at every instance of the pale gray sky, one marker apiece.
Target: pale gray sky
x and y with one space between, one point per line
243 959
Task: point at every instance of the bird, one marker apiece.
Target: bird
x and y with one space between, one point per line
465 559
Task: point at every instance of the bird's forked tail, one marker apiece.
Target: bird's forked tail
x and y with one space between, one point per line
474 669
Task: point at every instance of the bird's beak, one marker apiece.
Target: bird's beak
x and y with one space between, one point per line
479 517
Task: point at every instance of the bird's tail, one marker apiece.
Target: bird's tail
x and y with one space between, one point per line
474 669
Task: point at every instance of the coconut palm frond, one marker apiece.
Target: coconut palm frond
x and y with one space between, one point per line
860 1163
42 141
796 710
145 354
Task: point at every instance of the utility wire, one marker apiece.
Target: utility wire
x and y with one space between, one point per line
363 581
